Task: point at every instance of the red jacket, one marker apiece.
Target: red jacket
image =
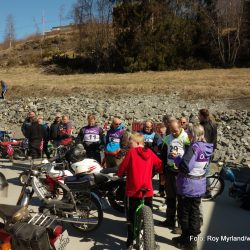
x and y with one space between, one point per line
65 134
138 165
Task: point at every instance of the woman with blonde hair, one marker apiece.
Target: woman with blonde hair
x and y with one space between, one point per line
191 186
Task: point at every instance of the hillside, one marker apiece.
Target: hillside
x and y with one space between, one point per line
37 49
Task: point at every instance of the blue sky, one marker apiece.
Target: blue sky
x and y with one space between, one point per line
28 12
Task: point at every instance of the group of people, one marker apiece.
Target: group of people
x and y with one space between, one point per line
180 152
184 153
39 133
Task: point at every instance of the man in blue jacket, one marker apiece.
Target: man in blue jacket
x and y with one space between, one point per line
4 89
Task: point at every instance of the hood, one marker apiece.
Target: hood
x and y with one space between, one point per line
144 153
206 148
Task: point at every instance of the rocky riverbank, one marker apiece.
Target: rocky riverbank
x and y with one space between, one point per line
233 125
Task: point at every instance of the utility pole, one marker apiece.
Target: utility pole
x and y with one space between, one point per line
43 23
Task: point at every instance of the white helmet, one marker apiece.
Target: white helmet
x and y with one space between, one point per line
86 166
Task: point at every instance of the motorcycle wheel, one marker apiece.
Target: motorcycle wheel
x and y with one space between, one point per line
18 154
88 208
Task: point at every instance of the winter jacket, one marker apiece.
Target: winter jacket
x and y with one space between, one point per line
35 134
65 133
191 180
25 126
210 132
91 137
55 131
116 141
138 166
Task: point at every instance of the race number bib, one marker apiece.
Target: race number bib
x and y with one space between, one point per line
91 138
114 140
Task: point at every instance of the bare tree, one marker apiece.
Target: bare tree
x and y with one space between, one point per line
82 14
10 31
224 20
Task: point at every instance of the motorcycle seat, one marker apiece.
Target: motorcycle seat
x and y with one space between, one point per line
109 170
78 183
100 178
12 212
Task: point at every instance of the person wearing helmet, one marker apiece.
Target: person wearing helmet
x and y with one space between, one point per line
116 143
92 137
191 185
150 137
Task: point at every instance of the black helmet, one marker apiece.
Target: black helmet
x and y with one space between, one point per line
75 154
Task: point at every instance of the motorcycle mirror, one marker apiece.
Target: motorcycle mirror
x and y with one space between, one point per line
3 186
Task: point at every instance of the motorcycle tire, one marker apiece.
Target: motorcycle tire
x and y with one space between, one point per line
88 204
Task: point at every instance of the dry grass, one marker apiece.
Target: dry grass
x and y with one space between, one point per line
211 83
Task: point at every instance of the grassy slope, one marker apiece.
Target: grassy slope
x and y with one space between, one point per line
211 83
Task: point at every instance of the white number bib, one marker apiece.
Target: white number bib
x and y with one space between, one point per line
91 138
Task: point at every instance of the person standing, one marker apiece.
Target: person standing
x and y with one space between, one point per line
36 134
116 143
160 143
65 131
27 122
210 130
176 142
4 89
191 185
54 132
209 127
167 119
150 137
92 137
138 165
46 140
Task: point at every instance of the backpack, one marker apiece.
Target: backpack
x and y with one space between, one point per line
29 237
